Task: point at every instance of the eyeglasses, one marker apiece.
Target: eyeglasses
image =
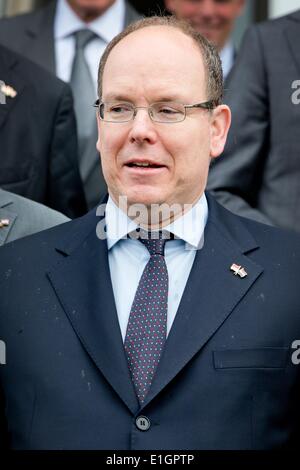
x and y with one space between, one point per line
164 111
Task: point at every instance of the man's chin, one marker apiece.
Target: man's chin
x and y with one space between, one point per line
145 200
143 194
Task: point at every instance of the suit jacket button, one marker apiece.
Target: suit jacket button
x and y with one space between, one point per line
142 423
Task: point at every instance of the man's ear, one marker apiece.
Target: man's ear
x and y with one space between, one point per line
220 123
98 127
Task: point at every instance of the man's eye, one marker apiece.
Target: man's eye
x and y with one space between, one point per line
166 110
119 109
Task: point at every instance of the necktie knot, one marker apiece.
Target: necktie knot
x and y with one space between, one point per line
154 241
83 37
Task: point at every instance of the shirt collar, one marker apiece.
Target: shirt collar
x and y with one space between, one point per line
227 57
106 26
188 228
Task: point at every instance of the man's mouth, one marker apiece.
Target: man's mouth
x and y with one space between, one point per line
145 164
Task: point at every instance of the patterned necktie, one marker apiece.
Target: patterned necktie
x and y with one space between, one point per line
83 89
147 325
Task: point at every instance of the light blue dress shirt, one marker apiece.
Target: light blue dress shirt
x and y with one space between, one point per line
128 257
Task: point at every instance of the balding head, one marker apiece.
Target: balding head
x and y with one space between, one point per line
210 57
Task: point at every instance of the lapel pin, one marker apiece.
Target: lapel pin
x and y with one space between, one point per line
8 91
238 270
4 223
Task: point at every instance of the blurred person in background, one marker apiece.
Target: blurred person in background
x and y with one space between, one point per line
215 19
258 175
38 143
67 37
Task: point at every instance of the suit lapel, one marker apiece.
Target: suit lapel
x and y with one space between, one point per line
83 285
292 32
6 213
41 36
10 78
211 294
4 231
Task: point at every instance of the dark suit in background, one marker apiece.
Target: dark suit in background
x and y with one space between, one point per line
32 35
38 141
258 174
226 379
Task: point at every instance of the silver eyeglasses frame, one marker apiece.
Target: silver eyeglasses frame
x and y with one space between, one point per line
207 105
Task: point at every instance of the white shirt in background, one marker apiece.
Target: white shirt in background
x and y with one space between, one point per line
227 58
66 23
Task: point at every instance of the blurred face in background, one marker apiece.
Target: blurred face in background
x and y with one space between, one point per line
212 18
88 10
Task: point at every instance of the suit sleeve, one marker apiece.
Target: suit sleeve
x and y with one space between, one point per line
66 192
236 176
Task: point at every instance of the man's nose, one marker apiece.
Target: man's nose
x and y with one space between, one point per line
142 127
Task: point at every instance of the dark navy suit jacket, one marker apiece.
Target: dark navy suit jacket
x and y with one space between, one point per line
226 379
38 140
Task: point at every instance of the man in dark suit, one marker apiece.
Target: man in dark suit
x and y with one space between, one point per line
258 175
177 339
49 37
38 136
